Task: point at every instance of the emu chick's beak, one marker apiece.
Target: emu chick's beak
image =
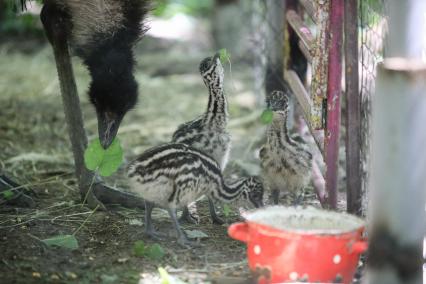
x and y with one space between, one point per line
216 56
108 124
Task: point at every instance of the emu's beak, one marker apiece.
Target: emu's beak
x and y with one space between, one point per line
216 56
108 124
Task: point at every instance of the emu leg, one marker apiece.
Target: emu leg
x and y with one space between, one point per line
182 239
276 196
299 197
56 25
19 198
149 228
215 218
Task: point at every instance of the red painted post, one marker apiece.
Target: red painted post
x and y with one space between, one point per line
331 141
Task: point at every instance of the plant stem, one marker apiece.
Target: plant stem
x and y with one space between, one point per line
85 221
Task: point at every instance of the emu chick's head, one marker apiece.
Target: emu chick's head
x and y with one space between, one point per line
277 101
253 191
113 91
211 70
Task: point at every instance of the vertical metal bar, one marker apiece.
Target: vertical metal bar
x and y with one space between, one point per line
398 177
333 98
398 154
353 111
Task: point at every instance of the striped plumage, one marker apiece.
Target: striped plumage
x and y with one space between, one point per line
208 132
173 175
286 164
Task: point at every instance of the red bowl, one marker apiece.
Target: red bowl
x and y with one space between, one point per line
301 245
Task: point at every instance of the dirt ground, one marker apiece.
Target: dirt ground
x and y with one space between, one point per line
34 150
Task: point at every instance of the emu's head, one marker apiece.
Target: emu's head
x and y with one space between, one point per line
211 70
278 102
113 91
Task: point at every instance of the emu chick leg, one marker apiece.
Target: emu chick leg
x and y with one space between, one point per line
149 228
276 196
187 217
216 219
299 197
182 239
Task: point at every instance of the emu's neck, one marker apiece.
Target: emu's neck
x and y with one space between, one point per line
230 192
278 134
217 108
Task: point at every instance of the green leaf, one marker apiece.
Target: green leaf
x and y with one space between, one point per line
65 241
7 194
107 160
224 55
139 248
112 159
155 252
266 116
226 210
94 155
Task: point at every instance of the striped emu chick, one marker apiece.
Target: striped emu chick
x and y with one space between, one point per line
286 163
173 175
208 132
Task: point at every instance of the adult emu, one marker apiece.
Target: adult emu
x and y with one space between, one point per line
102 33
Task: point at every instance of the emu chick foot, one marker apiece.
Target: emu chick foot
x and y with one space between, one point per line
189 217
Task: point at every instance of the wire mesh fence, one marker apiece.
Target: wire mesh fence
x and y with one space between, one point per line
372 31
267 37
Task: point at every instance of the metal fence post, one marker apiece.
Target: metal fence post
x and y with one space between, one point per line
353 111
333 98
398 178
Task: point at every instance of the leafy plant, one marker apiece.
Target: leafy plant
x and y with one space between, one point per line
154 252
65 241
106 161
224 55
139 248
266 116
226 210
7 194
13 23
